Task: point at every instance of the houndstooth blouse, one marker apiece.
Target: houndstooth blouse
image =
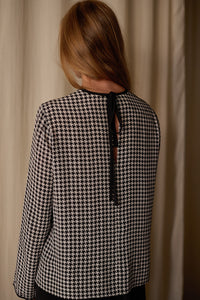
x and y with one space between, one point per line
86 221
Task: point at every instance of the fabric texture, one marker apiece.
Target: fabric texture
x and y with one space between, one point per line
75 243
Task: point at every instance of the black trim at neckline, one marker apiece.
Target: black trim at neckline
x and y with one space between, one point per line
103 94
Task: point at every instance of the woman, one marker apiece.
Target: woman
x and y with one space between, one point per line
87 212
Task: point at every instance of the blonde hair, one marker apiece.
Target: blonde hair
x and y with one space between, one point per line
91 43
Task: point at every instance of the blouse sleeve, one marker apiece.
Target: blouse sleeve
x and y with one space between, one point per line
37 208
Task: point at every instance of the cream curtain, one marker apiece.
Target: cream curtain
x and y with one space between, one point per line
154 33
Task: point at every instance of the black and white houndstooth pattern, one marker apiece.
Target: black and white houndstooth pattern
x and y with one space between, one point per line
74 242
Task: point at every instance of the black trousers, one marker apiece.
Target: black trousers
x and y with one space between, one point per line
137 293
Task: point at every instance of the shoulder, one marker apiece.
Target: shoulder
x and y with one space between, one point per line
52 108
144 108
140 102
142 105
55 103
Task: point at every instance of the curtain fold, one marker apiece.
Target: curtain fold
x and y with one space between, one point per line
31 74
192 151
156 31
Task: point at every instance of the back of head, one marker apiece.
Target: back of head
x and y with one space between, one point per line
91 43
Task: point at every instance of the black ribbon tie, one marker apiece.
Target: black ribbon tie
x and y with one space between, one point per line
111 110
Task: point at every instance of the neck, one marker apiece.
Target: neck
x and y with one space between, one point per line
101 86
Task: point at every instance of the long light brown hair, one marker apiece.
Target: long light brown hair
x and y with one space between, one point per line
91 43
